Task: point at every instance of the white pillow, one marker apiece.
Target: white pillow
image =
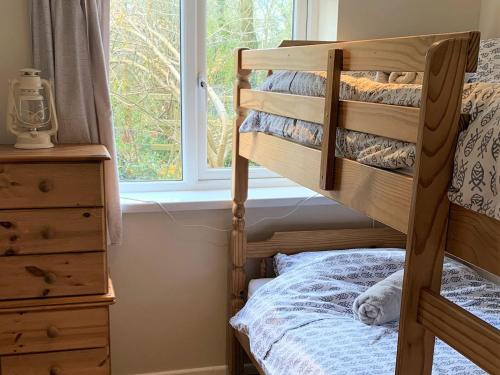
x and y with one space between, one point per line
285 263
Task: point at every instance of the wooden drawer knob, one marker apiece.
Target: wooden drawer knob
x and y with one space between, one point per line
55 371
52 332
45 186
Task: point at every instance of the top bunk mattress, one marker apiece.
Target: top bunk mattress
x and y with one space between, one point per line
475 181
365 148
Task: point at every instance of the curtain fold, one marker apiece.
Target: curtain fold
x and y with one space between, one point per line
71 48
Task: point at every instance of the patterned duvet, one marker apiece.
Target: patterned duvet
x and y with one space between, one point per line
301 322
476 177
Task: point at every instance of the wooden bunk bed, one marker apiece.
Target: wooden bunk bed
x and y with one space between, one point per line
415 207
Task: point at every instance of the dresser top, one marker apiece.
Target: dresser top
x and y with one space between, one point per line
61 153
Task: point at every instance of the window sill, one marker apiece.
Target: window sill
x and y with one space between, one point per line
218 199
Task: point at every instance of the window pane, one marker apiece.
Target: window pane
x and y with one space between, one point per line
145 86
232 24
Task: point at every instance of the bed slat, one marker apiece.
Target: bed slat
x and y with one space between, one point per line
298 241
382 195
307 108
469 335
389 121
391 55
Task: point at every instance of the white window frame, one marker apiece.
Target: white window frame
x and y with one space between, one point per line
196 173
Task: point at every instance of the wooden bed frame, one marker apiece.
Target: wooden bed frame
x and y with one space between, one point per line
416 208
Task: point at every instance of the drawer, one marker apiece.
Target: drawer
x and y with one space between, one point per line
40 185
31 276
73 362
51 230
52 330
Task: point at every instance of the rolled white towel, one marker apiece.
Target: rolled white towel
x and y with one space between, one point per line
382 77
381 302
405 77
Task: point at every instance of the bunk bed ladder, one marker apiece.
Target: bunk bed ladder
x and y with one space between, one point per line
429 315
471 336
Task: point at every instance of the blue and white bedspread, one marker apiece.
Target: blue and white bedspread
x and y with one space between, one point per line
302 323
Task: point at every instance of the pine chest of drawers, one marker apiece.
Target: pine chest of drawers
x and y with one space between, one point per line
54 287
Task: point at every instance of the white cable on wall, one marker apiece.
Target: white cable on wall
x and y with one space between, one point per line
266 218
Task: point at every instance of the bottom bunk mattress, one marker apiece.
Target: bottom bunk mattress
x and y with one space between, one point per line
302 322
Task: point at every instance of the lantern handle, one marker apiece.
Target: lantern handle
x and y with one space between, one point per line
12 108
52 110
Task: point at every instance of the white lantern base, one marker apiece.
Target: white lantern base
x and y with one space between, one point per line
29 141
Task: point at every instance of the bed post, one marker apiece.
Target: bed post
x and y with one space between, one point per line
427 229
237 256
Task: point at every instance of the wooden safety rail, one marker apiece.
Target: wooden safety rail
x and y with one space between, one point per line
396 122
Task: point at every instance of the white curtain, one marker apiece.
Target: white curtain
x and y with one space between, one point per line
71 48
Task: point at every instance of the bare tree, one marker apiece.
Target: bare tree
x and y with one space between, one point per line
146 78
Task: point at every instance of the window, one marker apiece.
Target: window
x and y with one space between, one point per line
232 24
171 80
145 80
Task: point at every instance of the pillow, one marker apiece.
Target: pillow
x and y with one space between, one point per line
488 68
285 263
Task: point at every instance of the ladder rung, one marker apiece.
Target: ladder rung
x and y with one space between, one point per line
466 333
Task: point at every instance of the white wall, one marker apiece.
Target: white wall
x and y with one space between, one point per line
171 284
362 19
15 47
327 19
489 21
